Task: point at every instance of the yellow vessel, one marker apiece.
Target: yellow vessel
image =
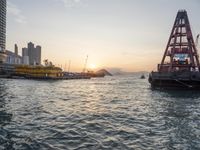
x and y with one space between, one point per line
38 72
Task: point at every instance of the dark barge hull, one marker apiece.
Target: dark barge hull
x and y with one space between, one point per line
175 80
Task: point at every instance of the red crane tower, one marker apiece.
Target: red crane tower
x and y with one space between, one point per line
181 52
180 66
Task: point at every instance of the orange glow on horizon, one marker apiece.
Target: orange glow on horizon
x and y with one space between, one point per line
92 66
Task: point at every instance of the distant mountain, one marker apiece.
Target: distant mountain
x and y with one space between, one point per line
121 72
115 71
103 72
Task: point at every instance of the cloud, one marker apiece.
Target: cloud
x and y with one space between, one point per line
16 12
70 3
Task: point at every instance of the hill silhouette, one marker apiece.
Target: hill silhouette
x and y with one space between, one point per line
103 72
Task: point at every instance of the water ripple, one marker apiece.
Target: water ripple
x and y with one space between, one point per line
110 113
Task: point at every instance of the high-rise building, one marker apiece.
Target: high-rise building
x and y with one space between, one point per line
38 50
24 51
2 25
25 57
33 53
16 49
2 31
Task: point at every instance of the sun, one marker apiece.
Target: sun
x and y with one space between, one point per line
92 66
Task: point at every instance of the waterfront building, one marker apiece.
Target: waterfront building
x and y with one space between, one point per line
34 54
16 49
12 58
31 53
25 57
38 51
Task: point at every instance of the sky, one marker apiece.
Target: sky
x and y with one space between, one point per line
128 35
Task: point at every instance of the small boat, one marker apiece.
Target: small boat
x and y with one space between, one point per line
142 77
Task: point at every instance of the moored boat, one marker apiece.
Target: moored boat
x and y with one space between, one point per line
180 67
142 76
175 80
30 72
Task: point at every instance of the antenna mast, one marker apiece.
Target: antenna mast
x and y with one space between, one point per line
69 66
85 65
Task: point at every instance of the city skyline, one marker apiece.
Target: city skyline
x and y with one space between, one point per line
115 34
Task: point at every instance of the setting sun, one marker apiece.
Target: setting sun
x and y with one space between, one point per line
92 66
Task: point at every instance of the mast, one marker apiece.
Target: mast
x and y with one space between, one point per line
69 66
85 65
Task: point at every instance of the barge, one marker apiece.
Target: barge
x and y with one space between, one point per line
180 67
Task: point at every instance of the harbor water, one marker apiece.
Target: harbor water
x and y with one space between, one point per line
120 112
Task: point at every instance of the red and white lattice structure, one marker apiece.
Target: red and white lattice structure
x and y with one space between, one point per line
181 52
180 66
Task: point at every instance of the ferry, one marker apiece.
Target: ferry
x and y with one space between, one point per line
30 72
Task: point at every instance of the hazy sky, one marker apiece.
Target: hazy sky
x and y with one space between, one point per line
127 34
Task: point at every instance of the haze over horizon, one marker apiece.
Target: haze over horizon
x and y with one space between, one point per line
121 34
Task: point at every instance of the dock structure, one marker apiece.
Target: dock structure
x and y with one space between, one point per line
180 67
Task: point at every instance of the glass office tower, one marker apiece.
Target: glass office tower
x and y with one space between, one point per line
2 25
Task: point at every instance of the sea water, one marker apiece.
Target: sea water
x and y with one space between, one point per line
120 112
